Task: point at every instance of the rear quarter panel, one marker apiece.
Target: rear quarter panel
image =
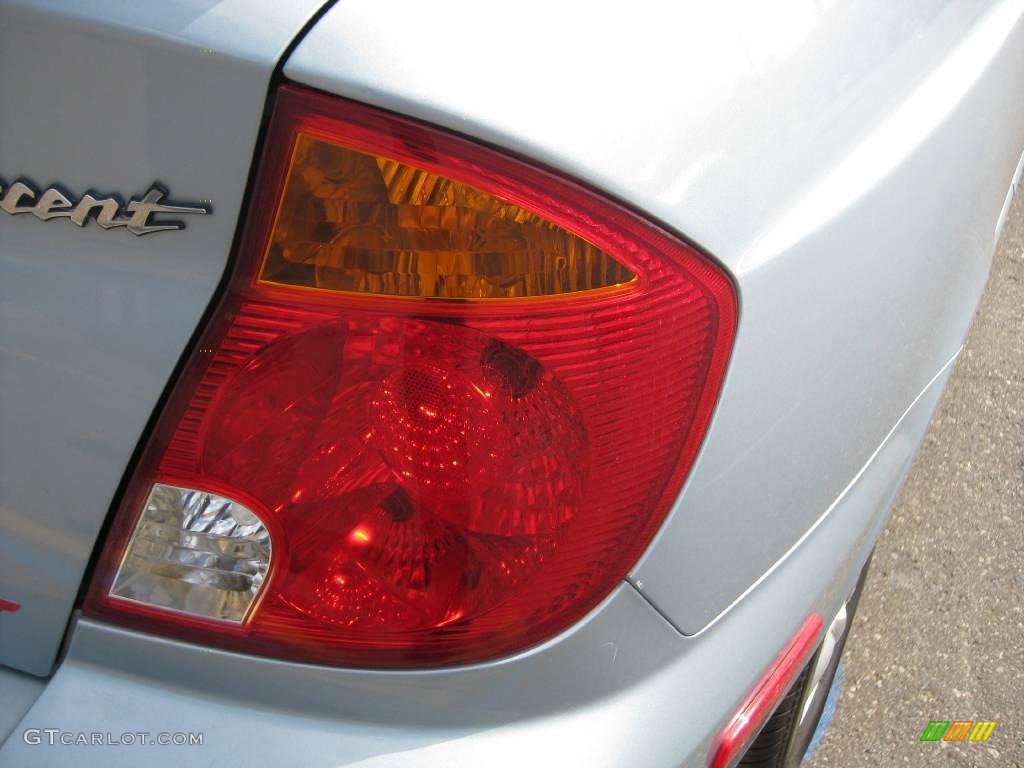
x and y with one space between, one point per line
847 162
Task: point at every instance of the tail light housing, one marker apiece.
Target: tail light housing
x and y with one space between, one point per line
442 407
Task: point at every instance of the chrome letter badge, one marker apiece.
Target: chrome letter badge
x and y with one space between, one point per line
110 213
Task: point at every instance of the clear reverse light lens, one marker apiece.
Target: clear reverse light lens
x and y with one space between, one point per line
195 552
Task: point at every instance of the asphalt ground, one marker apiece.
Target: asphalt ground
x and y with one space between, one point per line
939 634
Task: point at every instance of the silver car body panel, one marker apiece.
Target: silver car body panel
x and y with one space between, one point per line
846 161
107 96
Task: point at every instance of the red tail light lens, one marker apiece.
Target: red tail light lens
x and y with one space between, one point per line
444 405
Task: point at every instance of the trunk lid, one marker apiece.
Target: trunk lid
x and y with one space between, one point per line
94 320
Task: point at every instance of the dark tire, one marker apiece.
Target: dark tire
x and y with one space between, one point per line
783 741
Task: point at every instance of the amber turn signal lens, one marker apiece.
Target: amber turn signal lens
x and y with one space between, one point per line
350 221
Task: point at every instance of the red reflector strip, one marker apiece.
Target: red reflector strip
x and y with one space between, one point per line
9 606
744 726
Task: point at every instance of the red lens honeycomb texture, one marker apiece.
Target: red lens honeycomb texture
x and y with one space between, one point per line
444 481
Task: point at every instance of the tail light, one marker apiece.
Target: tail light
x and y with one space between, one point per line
443 406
